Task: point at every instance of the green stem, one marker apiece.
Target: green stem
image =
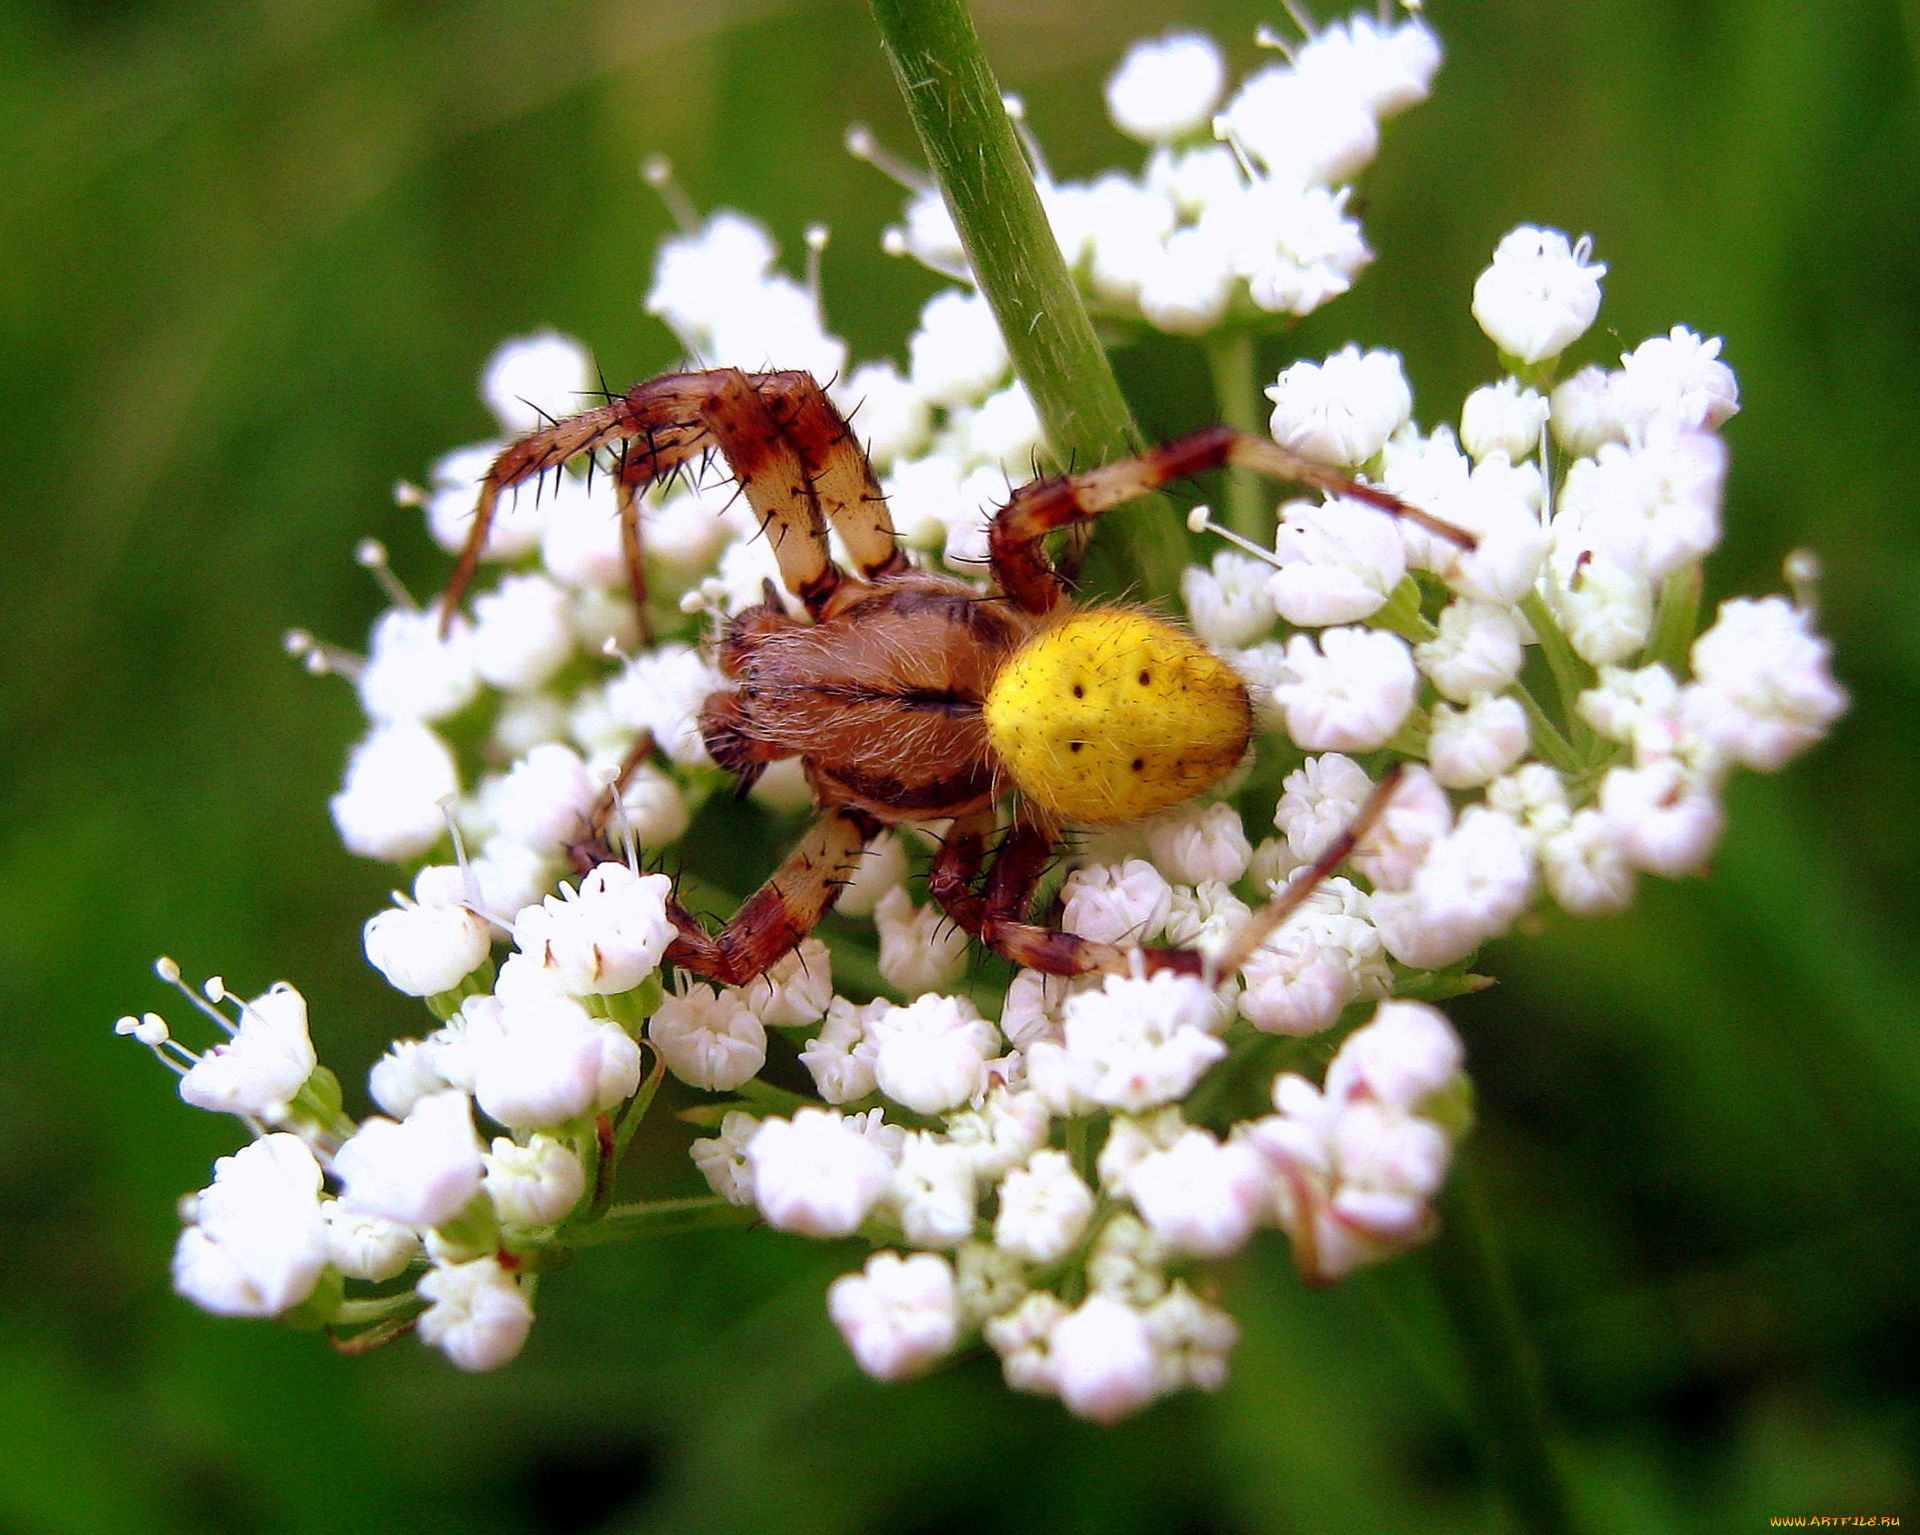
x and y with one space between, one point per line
957 111
1547 740
1230 360
1570 677
1503 1373
661 1217
1675 620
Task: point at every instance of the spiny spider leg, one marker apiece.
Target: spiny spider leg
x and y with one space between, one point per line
790 449
998 917
1020 563
774 919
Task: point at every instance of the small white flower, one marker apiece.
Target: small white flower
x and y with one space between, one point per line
1503 418
991 1281
419 1172
1385 70
1124 904
1301 979
522 632
368 1247
1764 692
1005 430
532 380
722 1158
1500 506
1187 289
1044 1209
882 866
1103 1360
1472 746
1650 508
1584 865
1228 603
1166 87
1296 246
254 1243
1192 1340
389 806
932 1055
1300 127
1404 1057
1605 609
1339 562
580 546
258 1071
956 357
479 1316
1347 689
413 673
697 274
1133 1044
537 1184
1199 1196
1477 650
1586 411
933 1195
663 690
1201 843
709 1039
539 1061
840 1056
796 991
1472 884
818 1173
921 948
1676 379
405 1075
899 1315
425 950
1023 1338
1341 411
1318 801
1028 1014
1417 815
545 798
1664 818
606 938
1007 1128
1540 294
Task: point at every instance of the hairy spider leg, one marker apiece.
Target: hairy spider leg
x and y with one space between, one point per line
1019 562
774 919
790 449
998 915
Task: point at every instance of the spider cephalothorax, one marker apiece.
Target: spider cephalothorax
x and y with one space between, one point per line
910 696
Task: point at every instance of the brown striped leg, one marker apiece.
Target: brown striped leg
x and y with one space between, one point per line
660 425
998 916
1021 568
782 911
837 466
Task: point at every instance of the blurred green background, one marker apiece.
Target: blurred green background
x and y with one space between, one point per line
254 255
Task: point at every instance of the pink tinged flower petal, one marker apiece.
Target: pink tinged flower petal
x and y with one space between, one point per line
419 1172
479 1316
1103 1360
900 1316
817 1173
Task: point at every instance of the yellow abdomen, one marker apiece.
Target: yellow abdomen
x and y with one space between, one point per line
1111 715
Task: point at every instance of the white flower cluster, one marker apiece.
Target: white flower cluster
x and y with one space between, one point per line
1048 1171
1241 209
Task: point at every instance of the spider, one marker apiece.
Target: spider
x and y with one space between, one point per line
910 697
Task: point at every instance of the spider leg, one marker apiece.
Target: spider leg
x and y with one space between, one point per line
998 916
774 919
1020 565
662 423
838 469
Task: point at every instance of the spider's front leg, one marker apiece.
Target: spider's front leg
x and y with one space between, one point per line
1020 565
774 919
998 916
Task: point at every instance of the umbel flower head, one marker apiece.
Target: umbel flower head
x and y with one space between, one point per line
1038 1163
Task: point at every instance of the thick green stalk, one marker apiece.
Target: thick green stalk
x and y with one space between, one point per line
1231 362
957 111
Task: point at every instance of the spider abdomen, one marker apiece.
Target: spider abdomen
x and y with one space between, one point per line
1111 715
